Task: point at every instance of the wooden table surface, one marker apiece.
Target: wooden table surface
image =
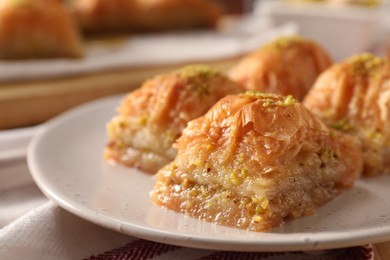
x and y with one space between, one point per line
28 103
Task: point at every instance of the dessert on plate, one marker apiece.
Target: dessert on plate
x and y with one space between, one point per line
354 97
152 117
289 65
97 16
31 29
162 15
254 160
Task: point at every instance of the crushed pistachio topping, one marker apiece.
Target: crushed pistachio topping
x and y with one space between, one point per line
257 218
342 125
241 157
185 183
284 42
264 203
170 136
199 87
288 101
194 71
327 155
267 102
365 63
143 119
198 76
122 124
259 209
244 173
194 192
189 204
258 94
270 99
197 162
234 178
373 135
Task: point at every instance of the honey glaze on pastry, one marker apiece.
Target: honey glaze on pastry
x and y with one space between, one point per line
288 65
162 15
354 97
254 160
151 118
37 29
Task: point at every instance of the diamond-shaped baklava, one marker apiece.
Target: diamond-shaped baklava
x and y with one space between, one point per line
254 160
31 29
152 117
98 16
162 15
354 97
145 15
288 65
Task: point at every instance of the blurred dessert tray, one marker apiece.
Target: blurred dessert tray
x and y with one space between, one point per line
35 90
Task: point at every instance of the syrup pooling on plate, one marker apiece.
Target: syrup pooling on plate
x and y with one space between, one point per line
255 159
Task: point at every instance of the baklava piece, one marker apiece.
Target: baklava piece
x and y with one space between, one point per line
163 15
354 97
97 16
102 16
254 160
32 29
288 65
152 117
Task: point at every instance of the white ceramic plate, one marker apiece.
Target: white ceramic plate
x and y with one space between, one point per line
65 159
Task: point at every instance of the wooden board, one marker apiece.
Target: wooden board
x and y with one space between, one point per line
30 103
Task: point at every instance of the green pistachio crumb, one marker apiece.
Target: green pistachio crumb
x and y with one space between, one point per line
288 101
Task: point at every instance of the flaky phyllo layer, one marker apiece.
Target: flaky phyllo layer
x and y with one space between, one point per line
287 65
152 117
36 29
254 160
354 97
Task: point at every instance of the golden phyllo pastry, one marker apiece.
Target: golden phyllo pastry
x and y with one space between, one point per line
151 118
161 15
288 65
254 160
354 97
37 29
97 16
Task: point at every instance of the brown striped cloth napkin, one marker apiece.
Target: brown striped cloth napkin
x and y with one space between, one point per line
142 249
